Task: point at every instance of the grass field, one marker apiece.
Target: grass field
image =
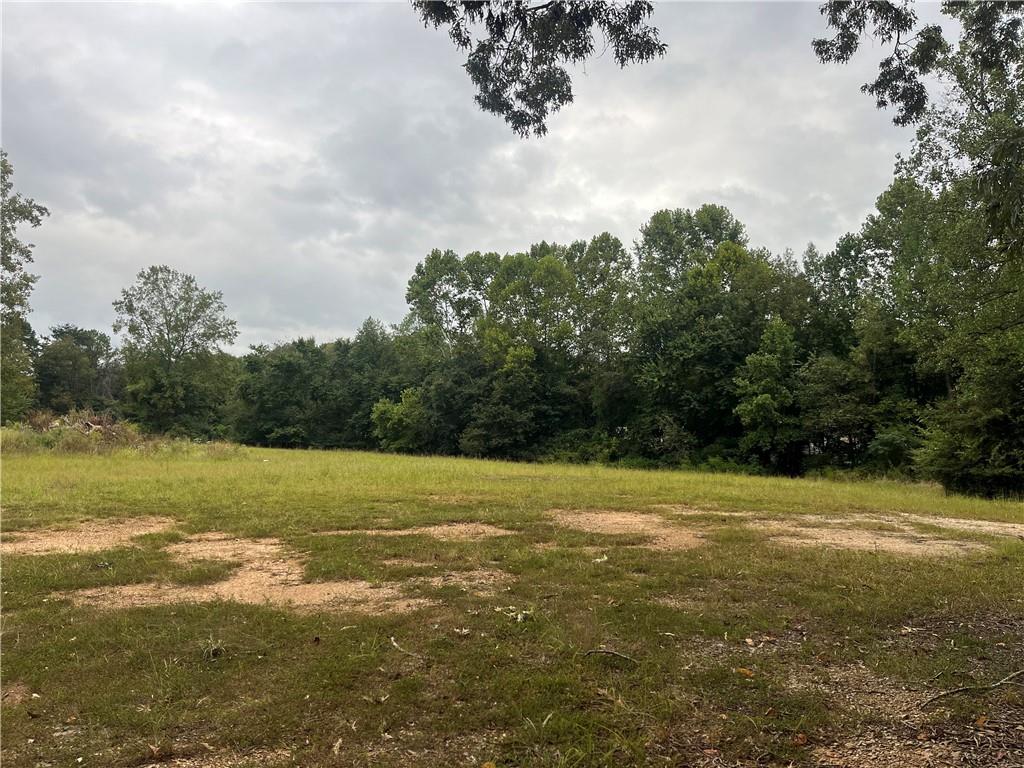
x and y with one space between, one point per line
233 607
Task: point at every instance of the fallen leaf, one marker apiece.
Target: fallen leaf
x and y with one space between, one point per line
745 672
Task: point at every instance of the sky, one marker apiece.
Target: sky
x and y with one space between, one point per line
302 158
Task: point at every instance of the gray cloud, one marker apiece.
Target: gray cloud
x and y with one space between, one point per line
303 158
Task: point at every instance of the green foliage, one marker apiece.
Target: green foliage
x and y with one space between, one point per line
765 386
974 441
167 316
17 386
991 39
77 368
518 51
15 255
505 422
176 378
17 341
404 426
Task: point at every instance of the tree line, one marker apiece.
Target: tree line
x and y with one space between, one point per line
691 348
899 351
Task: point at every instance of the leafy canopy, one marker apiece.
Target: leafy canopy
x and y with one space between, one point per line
167 314
518 52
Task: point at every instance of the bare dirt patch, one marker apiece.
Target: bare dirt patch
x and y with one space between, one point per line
660 533
14 694
905 521
443 532
90 536
269 573
896 542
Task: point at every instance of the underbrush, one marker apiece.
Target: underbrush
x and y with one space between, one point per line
88 432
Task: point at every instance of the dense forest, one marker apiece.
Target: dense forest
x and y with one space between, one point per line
899 351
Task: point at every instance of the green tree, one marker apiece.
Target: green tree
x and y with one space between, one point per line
518 51
834 398
77 368
177 378
674 241
282 397
948 238
765 386
504 423
362 372
405 426
15 254
17 387
974 440
991 36
450 294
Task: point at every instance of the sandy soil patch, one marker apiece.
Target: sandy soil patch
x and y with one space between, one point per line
14 694
91 536
660 533
268 572
903 520
902 542
443 532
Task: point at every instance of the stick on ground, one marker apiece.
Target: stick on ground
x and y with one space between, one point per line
609 652
967 688
402 650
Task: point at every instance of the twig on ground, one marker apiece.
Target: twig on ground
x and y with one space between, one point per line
407 653
967 688
609 652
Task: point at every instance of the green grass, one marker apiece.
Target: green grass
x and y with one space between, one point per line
332 690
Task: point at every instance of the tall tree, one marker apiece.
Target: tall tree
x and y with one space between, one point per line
176 375
17 388
167 315
15 254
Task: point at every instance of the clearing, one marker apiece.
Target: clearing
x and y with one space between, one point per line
273 608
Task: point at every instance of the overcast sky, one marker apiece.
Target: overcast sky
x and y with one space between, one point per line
303 158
